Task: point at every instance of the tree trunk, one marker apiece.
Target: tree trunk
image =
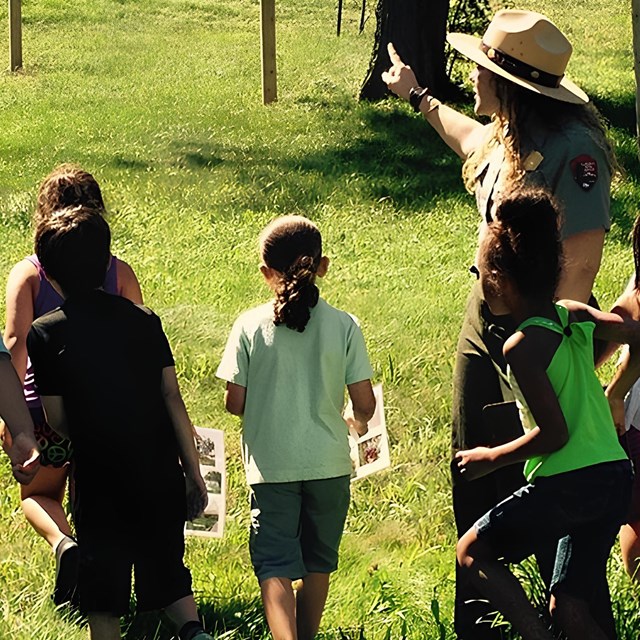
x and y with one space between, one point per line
417 29
635 21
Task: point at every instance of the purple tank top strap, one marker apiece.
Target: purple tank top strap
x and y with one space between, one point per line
111 279
48 298
33 259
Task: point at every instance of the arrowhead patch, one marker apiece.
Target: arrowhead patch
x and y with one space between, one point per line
585 171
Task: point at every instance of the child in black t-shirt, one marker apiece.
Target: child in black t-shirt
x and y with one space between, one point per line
106 375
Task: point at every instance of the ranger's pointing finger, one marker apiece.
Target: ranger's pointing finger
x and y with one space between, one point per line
393 54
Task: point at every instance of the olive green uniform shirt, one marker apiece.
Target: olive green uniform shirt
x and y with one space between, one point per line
573 168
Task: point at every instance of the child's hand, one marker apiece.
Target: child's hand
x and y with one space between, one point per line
617 412
196 495
25 458
475 463
356 427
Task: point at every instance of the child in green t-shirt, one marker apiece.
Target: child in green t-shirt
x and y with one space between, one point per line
286 365
579 476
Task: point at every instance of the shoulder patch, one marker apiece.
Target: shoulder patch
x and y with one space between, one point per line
584 169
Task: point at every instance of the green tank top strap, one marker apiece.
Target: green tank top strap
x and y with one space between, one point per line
552 325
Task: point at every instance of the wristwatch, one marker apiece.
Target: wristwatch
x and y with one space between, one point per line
418 94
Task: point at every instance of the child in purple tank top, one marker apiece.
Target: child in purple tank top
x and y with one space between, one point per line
29 296
46 300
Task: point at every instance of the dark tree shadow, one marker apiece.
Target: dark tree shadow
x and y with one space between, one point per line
120 162
400 157
391 156
619 111
193 154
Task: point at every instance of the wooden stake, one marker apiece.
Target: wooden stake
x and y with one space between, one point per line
268 39
15 34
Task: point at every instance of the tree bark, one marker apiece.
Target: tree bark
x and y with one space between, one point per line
417 29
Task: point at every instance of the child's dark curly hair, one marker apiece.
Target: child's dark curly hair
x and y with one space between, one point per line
523 243
67 186
292 245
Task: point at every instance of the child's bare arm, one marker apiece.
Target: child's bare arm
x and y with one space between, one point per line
22 287
23 451
617 326
551 433
234 398
128 284
623 379
364 405
196 488
620 326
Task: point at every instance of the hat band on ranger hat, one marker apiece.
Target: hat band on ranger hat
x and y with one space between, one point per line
519 68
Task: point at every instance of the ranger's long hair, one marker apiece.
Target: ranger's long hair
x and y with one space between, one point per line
520 109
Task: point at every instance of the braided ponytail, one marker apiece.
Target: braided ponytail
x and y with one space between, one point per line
292 246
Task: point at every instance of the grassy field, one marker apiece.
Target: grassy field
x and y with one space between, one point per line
160 99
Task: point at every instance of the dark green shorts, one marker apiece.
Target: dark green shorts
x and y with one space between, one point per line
296 527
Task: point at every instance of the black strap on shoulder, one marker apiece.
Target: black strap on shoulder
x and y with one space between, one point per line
552 325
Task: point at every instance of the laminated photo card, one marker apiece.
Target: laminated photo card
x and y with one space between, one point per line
210 445
370 452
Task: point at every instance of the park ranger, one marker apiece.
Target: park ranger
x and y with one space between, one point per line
543 131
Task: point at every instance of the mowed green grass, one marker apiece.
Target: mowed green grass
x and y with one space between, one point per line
161 100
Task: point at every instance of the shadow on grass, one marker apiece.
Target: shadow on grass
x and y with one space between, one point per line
234 620
624 211
135 164
395 156
619 111
378 153
237 619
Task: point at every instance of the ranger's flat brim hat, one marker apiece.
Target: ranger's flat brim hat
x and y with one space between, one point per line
526 48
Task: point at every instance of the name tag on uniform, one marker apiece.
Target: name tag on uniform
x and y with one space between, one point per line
532 161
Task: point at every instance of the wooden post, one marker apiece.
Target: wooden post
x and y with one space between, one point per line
268 40
15 34
635 22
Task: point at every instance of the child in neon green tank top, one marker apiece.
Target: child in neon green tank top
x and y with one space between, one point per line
579 476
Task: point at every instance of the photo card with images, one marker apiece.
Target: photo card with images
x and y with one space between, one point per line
370 452
210 445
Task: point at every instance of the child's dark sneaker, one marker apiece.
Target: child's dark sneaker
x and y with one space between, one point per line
67 565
